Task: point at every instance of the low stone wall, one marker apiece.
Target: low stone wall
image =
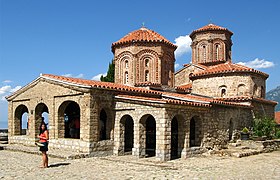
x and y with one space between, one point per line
82 146
100 148
24 140
194 151
270 145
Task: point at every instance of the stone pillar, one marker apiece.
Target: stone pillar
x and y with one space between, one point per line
118 136
163 139
51 127
10 119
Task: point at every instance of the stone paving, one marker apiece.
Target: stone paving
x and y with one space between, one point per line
19 165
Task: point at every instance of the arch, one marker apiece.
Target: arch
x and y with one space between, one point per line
103 125
127 133
69 120
218 49
230 130
223 91
151 57
202 51
174 138
195 131
147 134
21 113
123 62
40 109
241 90
124 55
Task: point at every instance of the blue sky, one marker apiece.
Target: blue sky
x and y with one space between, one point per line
74 37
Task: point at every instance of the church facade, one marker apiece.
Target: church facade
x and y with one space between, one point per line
150 110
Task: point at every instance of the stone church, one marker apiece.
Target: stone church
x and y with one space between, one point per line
150 110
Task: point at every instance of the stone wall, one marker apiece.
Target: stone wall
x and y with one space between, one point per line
237 84
182 76
263 109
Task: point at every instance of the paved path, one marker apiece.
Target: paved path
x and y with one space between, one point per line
21 165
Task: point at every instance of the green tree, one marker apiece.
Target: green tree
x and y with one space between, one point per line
110 77
264 126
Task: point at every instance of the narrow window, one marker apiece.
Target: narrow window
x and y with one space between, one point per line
217 48
126 78
147 63
223 92
204 53
146 75
126 64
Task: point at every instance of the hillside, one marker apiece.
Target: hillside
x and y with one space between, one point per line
274 95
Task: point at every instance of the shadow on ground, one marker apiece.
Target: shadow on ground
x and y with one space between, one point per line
58 164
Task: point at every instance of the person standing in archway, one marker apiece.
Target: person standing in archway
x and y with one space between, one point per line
44 137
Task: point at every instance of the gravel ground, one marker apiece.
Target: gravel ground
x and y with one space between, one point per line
19 165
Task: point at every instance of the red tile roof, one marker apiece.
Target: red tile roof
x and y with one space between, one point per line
142 35
227 68
245 99
167 101
167 97
211 27
143 84
185 87
277 117
99 84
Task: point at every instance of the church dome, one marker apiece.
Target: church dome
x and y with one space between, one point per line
142 35
211 27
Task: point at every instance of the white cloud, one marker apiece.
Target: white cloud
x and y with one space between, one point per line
184 45
71 75
7 81
97 77
15 89
258 63
67 75
177 65
6 90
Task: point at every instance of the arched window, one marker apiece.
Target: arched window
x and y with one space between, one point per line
126 64
223 92
241 90
146 62
146 75
204 53
126 78
217 49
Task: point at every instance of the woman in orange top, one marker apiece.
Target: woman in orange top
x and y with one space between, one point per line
44 137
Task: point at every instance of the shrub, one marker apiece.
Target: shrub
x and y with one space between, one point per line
264 126
277 134
245 130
